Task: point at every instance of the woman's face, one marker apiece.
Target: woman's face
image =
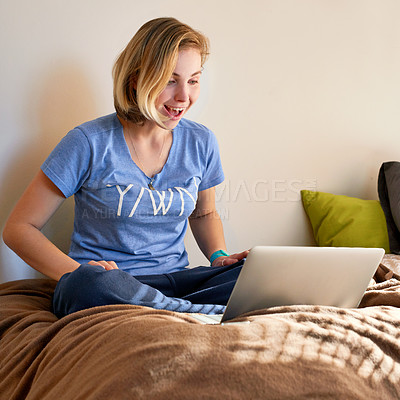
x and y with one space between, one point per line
183 88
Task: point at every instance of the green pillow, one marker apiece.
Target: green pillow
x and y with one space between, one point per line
343 221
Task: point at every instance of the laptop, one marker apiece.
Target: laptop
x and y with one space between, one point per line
287 275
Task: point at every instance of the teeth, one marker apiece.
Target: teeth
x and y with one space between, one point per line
176 109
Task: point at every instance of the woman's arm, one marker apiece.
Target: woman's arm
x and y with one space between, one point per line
207 229
22 230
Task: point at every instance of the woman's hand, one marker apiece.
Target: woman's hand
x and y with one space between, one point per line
231 259
107 265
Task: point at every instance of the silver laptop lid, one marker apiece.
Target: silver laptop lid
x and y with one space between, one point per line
288 275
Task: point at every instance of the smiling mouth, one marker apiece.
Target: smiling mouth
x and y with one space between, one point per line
174 112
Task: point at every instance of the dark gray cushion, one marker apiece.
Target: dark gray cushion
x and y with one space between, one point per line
389 196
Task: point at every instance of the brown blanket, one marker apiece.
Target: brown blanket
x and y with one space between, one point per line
130 352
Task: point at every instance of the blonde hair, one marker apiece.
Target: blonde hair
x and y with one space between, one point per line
144 67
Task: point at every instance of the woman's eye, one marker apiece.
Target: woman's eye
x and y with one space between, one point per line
194 82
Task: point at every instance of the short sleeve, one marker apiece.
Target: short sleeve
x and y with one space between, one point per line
213 173
68 164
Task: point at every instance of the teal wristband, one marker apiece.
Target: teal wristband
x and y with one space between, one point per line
216 254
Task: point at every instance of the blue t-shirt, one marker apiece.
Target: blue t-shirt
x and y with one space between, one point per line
117 216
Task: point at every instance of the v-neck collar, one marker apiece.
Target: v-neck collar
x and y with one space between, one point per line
127 153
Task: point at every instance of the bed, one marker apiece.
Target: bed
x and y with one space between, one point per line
292 352
131 352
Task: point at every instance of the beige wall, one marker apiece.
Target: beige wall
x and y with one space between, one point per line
300 93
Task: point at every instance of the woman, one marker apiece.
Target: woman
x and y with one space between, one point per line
139 176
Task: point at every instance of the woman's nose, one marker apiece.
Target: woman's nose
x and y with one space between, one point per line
182 93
